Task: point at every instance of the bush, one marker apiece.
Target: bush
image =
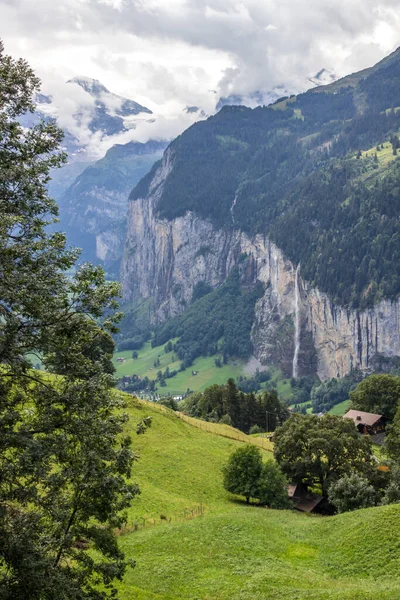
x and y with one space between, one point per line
352 492
255 429
242 472
273 486
225 420
170 403
392 492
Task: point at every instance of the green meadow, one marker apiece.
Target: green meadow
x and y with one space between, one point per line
230 551
207 372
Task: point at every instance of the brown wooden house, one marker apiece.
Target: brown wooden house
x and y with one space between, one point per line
367 423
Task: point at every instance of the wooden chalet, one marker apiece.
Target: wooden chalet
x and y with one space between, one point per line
367 423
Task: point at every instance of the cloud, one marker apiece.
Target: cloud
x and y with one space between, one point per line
167 54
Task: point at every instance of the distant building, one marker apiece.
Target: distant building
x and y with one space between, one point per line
367 423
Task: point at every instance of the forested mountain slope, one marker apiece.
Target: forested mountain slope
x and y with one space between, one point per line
308 188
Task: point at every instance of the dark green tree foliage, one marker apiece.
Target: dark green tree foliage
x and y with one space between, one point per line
273 486
348 242
323 107
244 410
379 394
352 492
392 492
211 160
64 460
382 87
246 475
320 450
392 442
243 471
333 391
219 321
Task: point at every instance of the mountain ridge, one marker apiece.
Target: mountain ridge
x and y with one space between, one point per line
302 183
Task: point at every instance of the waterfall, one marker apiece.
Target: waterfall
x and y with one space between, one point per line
233 208
296 323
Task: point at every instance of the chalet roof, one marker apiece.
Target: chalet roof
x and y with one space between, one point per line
303 500
362 418
308 502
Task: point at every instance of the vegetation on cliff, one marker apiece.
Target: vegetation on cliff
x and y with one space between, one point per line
216 321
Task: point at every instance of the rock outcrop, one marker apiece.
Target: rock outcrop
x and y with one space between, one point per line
164 260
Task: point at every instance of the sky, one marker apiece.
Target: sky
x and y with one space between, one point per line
169 54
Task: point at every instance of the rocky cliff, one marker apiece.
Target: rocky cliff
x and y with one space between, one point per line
93 209
296 326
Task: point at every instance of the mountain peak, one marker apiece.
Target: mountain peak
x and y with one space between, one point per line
122 107
91 86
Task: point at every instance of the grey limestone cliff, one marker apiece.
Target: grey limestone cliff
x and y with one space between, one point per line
296 326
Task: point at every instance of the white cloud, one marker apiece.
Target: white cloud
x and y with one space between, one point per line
167 54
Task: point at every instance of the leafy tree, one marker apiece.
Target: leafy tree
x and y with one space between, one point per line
64 460
392 442
392 492
377 394
333 391
320 450
170 403
273 486
352 492
254 429
242 472
244 410
226 420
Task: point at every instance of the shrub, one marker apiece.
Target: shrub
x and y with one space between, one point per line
242 472
255 429
351 492
273 486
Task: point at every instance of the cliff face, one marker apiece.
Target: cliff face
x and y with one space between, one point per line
93 209
296 326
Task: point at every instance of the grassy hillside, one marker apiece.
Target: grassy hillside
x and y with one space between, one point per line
179 466
238 552
258 554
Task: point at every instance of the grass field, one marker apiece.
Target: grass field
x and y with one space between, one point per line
385 155
179 467
281 384
301 404
208 373
235 552
260 554
340 409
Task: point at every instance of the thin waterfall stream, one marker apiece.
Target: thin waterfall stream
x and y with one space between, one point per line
297 324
